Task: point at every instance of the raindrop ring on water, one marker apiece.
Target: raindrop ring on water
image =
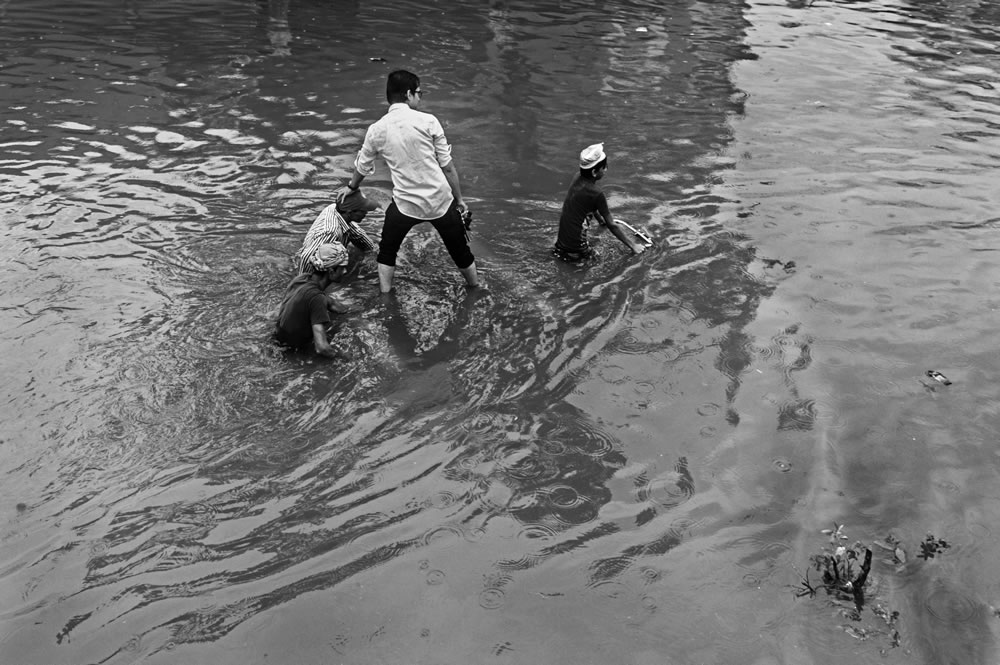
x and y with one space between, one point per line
627 342
442 499
781 464
564 496
650 575
669 354
978 530
475 535
589 438
682 524
708 409
826 414
534 532
669 490
480 423
491 599
443 535
470 462
734 366
523 562
949 606
520 462
644 387
613 374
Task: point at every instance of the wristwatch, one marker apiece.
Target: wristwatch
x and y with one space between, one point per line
353 189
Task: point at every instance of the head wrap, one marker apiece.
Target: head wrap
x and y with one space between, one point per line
328 256
356 201
592 155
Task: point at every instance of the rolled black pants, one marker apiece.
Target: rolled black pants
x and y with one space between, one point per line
449 226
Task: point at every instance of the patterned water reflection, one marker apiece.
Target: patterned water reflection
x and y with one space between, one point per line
629 461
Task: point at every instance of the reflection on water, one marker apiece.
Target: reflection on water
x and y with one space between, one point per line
629 461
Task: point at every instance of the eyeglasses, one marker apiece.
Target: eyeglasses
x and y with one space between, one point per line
418 91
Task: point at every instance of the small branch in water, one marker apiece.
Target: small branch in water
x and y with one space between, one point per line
865 569
859 581
805 588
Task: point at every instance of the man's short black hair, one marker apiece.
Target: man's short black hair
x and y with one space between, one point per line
398 84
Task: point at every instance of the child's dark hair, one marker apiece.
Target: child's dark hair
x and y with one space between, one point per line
398 84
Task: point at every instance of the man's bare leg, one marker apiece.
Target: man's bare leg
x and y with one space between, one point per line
385 274
470 275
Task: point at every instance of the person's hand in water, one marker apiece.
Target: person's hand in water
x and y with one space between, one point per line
337 305
639 248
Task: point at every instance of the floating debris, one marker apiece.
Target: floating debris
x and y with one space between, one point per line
805 587
836 533
841 570
932 546
894 547
787 266
939 377
376 59
845 573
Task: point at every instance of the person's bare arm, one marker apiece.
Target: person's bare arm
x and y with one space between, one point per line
604 217
451 175
620 233
364 163
323 347
352 186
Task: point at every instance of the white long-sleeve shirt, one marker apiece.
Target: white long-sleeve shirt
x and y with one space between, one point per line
415 149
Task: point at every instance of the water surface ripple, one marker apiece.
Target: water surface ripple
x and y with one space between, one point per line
626 461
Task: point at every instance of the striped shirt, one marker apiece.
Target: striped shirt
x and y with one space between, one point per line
328 227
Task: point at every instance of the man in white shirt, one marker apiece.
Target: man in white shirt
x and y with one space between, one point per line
425 186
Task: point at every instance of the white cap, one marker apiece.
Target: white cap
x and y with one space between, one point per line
592 155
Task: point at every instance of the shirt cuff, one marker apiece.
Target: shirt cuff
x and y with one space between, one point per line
365 169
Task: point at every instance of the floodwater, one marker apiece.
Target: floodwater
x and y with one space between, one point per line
626 462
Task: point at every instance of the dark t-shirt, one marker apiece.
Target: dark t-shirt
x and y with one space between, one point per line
304 304
584 198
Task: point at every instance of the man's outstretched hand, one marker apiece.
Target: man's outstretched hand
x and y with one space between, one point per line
341 193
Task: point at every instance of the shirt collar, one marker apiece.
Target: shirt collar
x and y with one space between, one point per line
398 106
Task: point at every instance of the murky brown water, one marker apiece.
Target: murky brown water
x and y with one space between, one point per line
629 462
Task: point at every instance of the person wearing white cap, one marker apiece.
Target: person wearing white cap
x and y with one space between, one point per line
304 315
585 200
